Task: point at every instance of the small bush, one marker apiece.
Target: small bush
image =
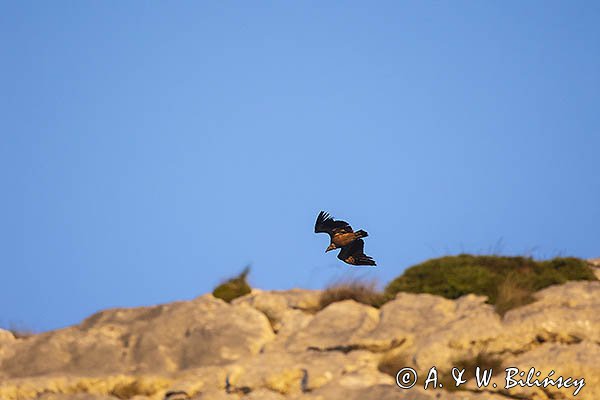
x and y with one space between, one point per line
360 291
507 281
234 287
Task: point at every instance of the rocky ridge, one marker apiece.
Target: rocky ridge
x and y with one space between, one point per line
274 345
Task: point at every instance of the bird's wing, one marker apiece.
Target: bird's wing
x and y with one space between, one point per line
325 223
354 254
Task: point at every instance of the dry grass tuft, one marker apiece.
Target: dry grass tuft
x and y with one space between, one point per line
361 291
511 295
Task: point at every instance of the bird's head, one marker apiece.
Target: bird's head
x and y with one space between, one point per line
331 247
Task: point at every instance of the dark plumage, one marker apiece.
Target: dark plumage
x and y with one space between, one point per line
354 254
343 237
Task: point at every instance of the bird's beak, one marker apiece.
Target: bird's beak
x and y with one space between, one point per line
329 248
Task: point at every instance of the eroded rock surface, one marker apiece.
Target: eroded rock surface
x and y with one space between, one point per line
160 339
275 345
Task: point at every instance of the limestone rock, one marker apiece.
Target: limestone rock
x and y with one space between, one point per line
195 381
6 337
277 304
263 394
561 313
575 360
293 373
77 396
118 386
337 326
466 332
434 330
165 338
7 346
393 392
275 345
595 264
291 321
217 395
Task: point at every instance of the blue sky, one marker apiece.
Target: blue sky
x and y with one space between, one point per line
151 149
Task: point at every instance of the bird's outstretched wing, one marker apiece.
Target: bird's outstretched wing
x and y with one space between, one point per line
328 225
354 254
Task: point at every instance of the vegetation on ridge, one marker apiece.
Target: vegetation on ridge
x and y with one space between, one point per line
508 282
234 287
360 291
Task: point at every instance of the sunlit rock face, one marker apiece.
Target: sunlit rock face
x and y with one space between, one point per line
159 339
595 262
278 345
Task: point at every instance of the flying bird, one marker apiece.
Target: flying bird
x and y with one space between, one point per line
344 238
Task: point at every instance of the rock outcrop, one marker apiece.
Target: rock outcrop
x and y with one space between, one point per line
146 340
276 345
595 263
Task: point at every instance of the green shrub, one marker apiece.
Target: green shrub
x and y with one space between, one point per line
234 287
507 281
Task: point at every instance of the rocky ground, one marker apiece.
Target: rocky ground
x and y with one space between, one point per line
274 345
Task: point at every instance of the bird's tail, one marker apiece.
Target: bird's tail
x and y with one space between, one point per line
361 234
364 259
